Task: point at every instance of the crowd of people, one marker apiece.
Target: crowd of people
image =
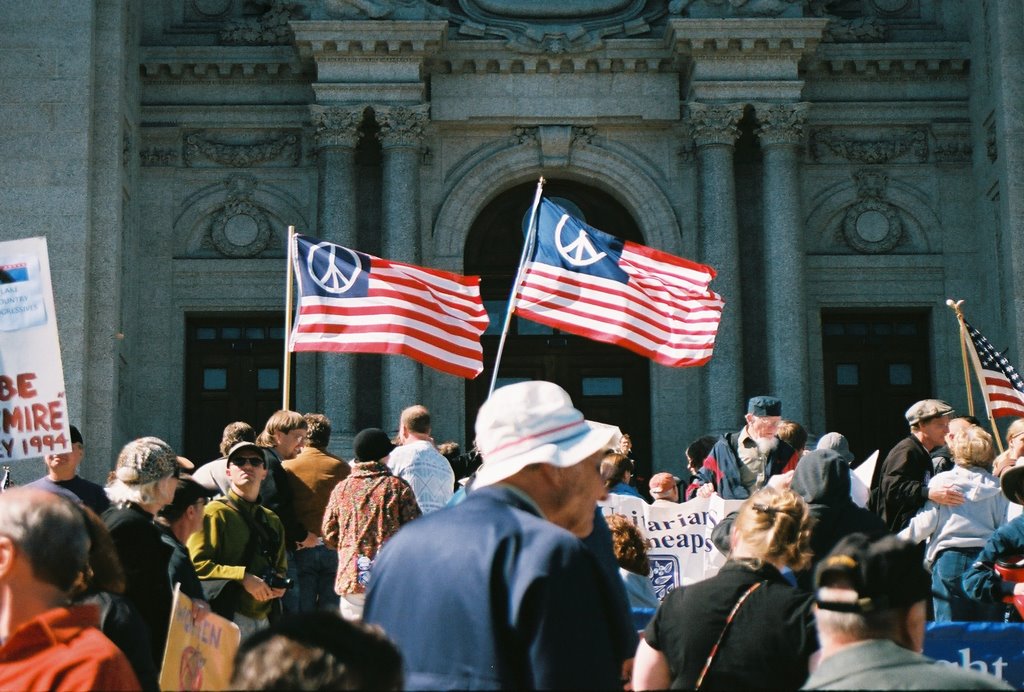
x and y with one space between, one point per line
409 568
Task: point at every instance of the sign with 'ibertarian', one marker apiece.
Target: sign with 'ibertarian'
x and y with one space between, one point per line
33 405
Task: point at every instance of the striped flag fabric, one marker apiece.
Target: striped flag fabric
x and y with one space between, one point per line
1002 386
351 302
587 282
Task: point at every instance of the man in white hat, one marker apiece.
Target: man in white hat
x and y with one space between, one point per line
498 592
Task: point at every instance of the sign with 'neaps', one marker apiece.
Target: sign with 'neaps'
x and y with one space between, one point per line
33 406
678 536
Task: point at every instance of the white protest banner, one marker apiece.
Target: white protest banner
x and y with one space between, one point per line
678 536
33 406
201 647
860 480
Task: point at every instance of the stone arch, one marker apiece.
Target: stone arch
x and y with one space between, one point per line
825 220
610 172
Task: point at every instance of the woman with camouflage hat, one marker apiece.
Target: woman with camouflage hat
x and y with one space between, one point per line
144 481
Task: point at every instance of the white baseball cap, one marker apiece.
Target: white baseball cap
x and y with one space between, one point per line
533 423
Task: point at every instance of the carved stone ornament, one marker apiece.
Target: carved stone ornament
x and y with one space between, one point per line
714 124
522 134
583 134
738 8
402 126
158 157
913 142
268 29
781 123
544 26
952 150
240 229
337 126
870 184
872 226
285 147
405 10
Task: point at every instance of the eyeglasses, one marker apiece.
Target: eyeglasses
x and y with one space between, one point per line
255 462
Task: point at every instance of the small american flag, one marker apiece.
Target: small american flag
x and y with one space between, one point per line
1003 387
351 302
587 282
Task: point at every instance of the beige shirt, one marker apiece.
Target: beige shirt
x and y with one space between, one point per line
752 462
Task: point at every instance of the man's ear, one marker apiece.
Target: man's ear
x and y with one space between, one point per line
7 554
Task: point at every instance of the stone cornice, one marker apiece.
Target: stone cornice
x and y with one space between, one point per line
357 39
745 37
220 63
885 58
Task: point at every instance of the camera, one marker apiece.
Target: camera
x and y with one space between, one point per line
276 581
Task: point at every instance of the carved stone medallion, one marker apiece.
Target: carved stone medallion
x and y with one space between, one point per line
240 229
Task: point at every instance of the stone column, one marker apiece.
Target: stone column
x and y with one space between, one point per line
337 133
715 129
780 129
401 138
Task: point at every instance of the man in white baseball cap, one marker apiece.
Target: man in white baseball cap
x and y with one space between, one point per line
498 592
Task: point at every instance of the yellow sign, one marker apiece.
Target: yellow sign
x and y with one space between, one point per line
201 647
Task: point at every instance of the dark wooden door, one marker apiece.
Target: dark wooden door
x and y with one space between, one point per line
233 372
607 383
877 363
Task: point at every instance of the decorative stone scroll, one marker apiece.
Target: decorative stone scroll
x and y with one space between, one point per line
337 126
713 123
781 123
402 126
285 148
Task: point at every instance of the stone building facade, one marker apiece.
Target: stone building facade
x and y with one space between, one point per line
845 166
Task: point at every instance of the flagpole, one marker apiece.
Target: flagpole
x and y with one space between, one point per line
286 379
955 305
531 236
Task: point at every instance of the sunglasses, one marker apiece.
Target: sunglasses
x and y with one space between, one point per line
255 462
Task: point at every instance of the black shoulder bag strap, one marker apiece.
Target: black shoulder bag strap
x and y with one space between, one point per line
259 532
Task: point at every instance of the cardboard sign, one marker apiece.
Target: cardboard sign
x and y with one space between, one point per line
33 407
201 647
678 536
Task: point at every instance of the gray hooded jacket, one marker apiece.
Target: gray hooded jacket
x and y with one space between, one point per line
964 526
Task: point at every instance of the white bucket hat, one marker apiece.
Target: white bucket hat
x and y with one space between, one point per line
530 423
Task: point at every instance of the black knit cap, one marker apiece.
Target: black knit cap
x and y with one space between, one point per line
372 444
885 571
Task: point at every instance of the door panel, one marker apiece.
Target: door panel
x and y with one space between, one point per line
876 365
233 372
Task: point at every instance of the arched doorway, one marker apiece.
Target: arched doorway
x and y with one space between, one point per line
608 383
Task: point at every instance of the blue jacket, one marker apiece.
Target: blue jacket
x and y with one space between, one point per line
722 467
489 595
981 581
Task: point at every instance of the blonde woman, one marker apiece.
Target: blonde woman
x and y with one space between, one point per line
1014 447
746 627
956 534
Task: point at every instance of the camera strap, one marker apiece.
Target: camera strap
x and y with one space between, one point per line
265 536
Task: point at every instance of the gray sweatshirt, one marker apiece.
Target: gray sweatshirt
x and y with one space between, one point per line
965 526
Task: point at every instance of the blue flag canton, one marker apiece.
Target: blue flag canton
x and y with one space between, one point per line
331 271
570 244
991 359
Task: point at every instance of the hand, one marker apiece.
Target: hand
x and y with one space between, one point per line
627 674
781 481
309 541
258 588
948 494
276 593
706 490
